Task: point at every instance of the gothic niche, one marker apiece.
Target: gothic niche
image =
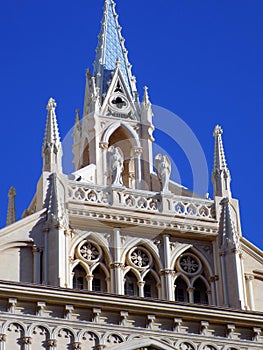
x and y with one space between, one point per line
122 139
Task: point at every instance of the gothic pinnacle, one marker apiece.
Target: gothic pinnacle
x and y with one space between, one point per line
52 149
11 211
221 175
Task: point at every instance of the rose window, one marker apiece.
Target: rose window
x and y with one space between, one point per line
140 258
89 251
189 264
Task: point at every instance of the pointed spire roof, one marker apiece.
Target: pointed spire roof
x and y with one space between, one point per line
221 175
52 149
219 153
11 211
51 132
111 49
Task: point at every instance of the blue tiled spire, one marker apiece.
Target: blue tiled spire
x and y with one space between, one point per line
110 49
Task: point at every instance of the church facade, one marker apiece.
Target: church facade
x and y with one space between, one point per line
116 255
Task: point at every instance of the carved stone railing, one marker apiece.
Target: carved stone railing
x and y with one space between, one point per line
139 200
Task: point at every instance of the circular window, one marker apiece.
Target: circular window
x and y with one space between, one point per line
189 264
140 258
89 251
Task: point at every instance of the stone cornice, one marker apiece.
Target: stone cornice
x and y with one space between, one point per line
109 302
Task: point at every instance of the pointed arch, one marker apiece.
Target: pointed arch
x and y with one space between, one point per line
200 291
101 278
139 343
130 281
102 242
79 277
152 286
181 290
8 323
149 245
40 325
113 127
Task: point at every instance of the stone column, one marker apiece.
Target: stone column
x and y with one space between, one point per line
27 341
104 148
249 279
37 264
224 280
138 169
67 260
141 288
191 294
52 344
116 266
168 291
2 341
45 257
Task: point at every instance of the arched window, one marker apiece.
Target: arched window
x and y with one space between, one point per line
79 278
130 285
200 292
181 293
99 280
150 288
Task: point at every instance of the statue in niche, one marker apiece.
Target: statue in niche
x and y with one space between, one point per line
163 167
116 165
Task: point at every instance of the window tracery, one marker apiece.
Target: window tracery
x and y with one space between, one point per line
190 282
141 279
90 272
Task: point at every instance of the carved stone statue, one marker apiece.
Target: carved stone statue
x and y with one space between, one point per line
163 167
116 165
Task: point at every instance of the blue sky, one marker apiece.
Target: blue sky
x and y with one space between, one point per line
201 60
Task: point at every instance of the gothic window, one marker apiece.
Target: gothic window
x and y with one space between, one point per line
130 285
181 293
200 292
79 278
99 280
150 289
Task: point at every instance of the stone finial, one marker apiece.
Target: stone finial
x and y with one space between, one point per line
77 115
217 131
51 105
146 99
118 62
11 211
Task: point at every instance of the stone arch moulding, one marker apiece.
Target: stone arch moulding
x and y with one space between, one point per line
148 245
143 343
113 127
93 237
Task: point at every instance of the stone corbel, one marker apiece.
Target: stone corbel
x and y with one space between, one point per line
178 326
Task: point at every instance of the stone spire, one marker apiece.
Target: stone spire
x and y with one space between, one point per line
111 49
11 211
52 148
221 175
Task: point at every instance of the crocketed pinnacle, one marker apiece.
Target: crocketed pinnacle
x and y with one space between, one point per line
221 175
11 211
219 155
229 236
52 149
111 49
